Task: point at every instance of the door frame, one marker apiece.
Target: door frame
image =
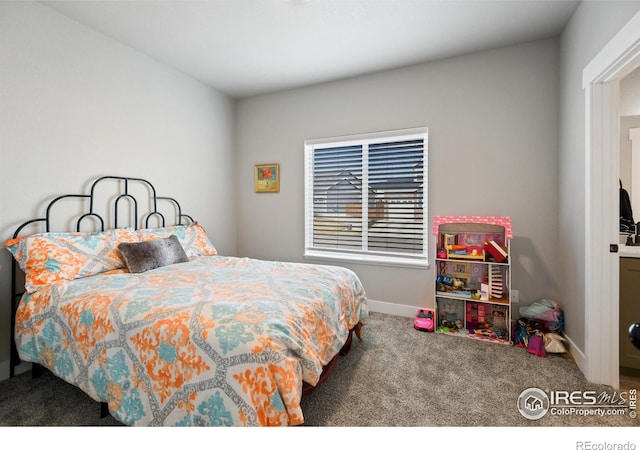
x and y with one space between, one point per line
601 83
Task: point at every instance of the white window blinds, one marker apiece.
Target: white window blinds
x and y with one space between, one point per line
365 197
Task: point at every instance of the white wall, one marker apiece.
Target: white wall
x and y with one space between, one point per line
590 29
75 105
630 94
493 143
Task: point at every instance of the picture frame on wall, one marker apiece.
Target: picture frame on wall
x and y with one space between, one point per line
267 177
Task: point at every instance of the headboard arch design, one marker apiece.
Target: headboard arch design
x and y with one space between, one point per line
124 183
109 216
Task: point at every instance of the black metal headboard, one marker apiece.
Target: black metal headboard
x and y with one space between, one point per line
104 219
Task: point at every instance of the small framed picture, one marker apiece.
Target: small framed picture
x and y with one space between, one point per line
267 177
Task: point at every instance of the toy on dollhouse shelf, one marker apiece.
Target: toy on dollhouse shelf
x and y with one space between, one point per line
456 250
496 251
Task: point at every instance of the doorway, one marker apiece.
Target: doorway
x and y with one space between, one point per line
601 82
629 307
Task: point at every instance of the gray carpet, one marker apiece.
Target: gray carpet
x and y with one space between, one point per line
395 377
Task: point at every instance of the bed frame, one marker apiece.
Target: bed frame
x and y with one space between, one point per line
122 188
123 192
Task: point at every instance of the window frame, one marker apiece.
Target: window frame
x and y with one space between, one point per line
364 256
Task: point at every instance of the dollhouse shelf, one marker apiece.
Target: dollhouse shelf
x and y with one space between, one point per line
473 277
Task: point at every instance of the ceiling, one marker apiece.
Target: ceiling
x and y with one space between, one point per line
250 47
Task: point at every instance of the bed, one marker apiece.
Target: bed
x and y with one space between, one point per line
153 323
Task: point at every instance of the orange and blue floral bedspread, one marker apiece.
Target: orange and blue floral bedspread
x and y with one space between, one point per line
217 341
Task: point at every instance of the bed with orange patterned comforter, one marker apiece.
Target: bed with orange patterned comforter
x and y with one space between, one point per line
215 341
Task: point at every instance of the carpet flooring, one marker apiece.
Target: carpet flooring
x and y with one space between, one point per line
395 377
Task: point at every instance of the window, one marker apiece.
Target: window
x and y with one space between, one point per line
366 199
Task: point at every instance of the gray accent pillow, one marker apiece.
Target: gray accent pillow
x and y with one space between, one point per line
147 255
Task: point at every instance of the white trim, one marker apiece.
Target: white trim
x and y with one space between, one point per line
393 309
376 260
364 225
602 228
4 370
21 368
618 58
18 370
417 132
601 82
577 354
308 196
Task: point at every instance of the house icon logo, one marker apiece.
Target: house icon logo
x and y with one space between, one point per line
533 403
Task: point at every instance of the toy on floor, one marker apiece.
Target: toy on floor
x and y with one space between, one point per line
446 326
424 320
536 345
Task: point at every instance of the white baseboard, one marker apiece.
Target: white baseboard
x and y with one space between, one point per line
4 370
20 369
393 309
577 354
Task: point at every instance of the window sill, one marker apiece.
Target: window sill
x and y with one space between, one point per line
376 260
